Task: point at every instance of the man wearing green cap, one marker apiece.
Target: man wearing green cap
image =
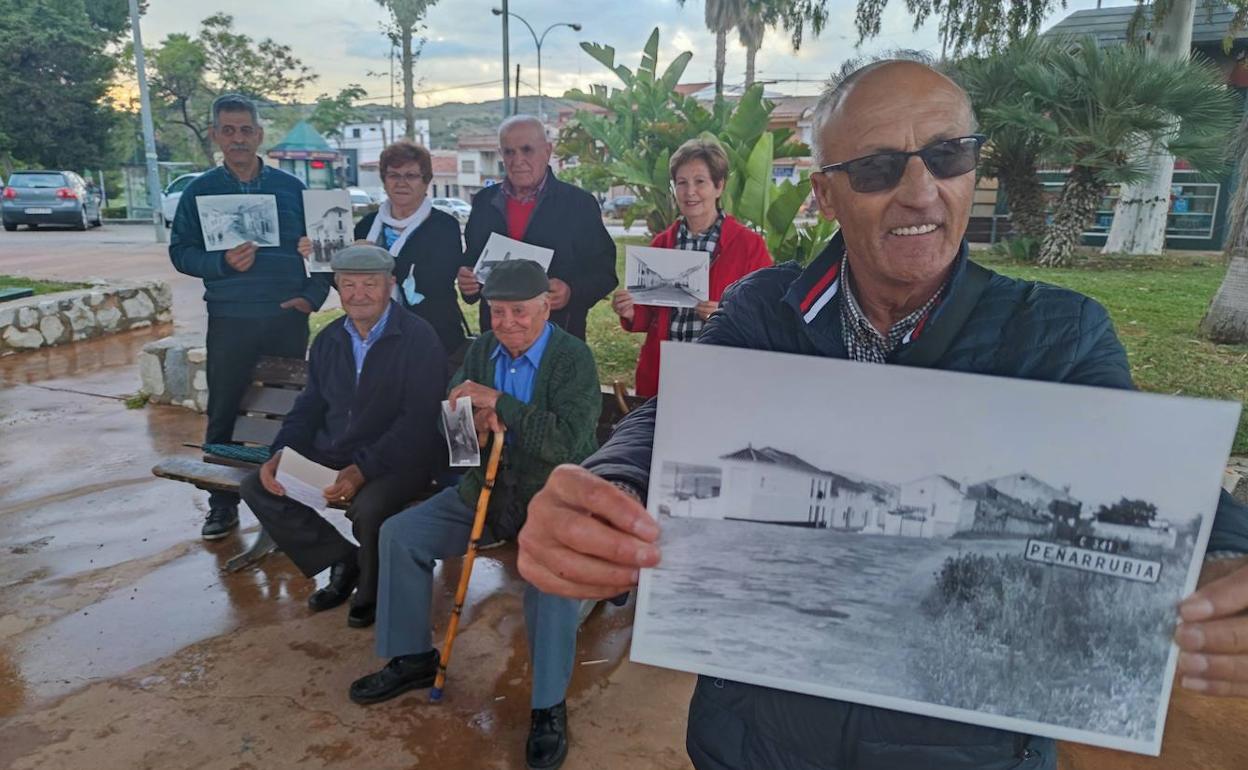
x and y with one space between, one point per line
540 384
371 411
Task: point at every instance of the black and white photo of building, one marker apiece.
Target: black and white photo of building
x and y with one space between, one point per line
327 221
667 277
232 220
1001 552
461 434
499 249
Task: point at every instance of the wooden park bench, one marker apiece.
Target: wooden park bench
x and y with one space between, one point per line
276 383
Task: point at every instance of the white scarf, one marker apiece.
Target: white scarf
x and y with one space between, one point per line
408 226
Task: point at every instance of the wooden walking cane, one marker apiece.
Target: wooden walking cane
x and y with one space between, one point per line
465 574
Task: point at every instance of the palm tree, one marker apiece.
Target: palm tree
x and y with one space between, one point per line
1013 153
792 15
1227 319
750 31
1100 108
722 16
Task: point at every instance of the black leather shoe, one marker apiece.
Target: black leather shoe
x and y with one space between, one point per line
361 615
220 522
406 672
342 580
547 746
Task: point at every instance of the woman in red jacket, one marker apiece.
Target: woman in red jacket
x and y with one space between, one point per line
699 169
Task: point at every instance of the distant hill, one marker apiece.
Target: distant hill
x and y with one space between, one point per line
448 121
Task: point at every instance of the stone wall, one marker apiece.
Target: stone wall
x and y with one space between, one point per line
174 371
69 316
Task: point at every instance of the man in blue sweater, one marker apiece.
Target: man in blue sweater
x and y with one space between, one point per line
258 298
371 411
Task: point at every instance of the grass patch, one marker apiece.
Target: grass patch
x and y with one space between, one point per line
40 287
319 321
1156 304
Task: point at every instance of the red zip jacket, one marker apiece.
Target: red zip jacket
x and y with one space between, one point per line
740 251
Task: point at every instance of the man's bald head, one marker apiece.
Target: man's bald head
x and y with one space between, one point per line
887 79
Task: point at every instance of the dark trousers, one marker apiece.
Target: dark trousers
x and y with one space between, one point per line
234 346
313 544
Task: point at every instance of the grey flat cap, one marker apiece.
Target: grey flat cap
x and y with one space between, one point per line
516 280
362 259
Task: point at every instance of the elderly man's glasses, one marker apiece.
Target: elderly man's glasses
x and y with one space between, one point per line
884 170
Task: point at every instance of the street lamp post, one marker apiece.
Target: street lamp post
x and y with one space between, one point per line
537 41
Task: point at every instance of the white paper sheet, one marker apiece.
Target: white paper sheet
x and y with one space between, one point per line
499 248
461 434
303 479
667 277
232 220
327 218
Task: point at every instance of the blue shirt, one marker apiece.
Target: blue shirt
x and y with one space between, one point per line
359 347
515 376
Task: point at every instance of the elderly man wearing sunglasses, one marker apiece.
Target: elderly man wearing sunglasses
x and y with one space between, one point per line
897 147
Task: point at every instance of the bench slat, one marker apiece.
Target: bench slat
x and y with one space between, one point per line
222 478
255 430
292 372
275 402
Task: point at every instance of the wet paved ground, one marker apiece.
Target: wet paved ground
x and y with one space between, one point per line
122 645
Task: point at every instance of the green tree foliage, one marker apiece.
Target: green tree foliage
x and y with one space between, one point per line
186 73
406 15
331 113
55 72
648 119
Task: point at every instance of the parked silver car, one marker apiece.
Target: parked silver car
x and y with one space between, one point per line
36 198
456 207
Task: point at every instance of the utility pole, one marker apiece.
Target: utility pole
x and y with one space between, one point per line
149 131
515 107
506 62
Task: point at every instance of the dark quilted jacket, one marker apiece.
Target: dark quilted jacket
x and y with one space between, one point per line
1015 329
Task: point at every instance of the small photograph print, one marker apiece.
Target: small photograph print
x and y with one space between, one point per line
995 551
667 277
232 220
461 434
499 248
327 217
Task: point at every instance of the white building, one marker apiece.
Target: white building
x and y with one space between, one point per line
933 506
776 487
362 144
1029 490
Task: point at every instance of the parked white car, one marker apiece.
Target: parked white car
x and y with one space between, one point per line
361 200
456 207
172 194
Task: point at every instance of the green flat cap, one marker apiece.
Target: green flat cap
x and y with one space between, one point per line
362 259
516 280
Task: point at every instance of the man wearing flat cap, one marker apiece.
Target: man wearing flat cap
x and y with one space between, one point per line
540 384
371 411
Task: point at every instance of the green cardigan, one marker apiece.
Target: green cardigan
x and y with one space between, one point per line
558 426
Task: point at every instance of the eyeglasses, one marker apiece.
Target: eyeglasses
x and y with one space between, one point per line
410 178
884 170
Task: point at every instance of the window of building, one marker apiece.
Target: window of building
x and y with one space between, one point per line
468 166
355 133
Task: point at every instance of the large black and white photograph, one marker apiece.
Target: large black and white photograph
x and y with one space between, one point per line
499 249
232 220
327 218
461 433
993 551
667 277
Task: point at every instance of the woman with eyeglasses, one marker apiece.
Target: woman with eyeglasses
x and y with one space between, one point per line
425 243
699 171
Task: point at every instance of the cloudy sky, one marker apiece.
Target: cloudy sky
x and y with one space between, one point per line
342 41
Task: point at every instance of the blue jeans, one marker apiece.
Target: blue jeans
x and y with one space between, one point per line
439 528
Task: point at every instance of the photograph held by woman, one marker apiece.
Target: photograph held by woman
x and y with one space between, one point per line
699 171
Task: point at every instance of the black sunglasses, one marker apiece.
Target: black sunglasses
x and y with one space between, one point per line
884 170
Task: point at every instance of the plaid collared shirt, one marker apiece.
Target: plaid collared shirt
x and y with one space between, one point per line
686 326
510 191
862 340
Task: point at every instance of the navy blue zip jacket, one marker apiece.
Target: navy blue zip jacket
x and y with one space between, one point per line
1014 329
386 423
278 272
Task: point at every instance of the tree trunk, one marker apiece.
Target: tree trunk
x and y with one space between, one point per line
1227 319
721 62
1139 225
1025 197
1080 196
750 53
409 91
